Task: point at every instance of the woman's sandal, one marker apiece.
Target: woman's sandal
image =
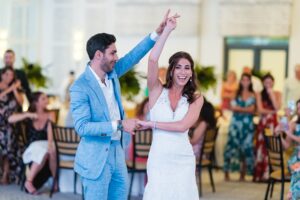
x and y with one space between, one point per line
31 191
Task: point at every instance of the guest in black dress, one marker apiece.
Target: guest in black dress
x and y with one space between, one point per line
40 148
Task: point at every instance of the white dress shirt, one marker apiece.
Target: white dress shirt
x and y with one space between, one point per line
108 91
113 107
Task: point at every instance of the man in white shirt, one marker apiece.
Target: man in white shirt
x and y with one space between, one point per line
99 119
292 87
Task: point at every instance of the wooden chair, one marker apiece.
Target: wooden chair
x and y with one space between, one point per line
206 157
43 174
66 142
55 112
141 145
22 142
277 170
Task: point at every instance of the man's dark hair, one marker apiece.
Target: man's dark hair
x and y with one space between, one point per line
100 42
10 51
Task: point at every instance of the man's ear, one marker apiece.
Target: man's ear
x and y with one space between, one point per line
98 55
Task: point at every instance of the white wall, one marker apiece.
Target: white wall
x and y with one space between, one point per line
294 43
54 24
211 43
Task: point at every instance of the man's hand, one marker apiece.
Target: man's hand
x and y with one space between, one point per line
129 125
162 25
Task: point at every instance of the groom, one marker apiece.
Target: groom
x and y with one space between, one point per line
99 116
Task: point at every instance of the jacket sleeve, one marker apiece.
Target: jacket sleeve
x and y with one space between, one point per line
127 62
81 113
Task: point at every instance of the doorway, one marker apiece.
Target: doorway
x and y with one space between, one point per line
260 54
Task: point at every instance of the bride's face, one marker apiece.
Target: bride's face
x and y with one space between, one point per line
182 72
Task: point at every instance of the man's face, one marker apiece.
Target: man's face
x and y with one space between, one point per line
9 59
109 59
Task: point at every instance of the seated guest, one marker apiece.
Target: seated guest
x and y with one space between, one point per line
206 121
238 154
142 110
292 131
40 147
10 100
142 113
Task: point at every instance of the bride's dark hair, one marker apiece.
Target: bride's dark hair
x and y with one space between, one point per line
190 88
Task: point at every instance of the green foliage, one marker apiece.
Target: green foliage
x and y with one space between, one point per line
259 73
205 76
34 74
130 85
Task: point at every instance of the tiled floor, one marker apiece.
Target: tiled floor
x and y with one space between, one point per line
233 190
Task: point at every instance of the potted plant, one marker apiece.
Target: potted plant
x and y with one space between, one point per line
205 77
130 85
34 74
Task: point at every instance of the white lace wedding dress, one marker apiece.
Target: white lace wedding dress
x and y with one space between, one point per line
171 161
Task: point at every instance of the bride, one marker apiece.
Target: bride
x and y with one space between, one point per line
174 108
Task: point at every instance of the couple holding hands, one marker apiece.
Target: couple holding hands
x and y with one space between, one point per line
99 120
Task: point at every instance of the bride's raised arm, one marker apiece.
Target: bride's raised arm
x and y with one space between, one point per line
154 85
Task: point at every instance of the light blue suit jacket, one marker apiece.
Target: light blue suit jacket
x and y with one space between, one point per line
91 115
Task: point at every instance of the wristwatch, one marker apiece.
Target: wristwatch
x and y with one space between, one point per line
120 125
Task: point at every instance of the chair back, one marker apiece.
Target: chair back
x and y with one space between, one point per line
208 146
22 137
55 111
66 140
275 152
141 143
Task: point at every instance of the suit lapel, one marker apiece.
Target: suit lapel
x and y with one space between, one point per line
95 87
116 87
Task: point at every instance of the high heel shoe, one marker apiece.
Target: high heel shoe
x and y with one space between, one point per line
27 190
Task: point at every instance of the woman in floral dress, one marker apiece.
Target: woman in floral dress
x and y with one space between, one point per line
10 100
238 155
268 103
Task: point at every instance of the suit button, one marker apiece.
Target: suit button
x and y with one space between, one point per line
106 149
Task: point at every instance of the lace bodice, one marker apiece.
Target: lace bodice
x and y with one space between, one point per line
173 142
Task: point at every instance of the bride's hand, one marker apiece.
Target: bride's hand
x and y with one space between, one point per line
171 22
142 125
